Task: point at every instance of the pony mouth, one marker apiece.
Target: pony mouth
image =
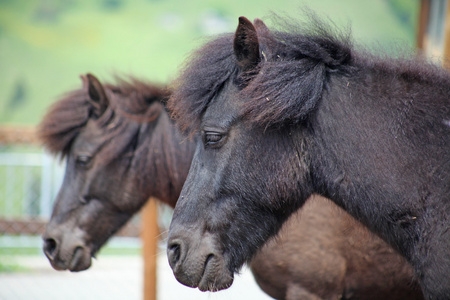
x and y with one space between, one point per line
205 272
198 262
215 277
80 261
212 277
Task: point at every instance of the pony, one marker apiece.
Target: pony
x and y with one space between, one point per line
353 262
120 149
280 115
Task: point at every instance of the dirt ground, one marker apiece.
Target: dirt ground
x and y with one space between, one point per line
110 278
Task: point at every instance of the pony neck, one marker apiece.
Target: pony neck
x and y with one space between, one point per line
163 160
358 164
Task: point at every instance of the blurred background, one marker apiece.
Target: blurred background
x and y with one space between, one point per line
46 44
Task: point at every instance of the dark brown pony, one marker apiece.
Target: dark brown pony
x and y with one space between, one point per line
120 148
283 115
100 193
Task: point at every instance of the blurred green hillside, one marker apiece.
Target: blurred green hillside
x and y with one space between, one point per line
46 44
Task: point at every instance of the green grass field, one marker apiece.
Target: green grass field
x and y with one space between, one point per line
45 45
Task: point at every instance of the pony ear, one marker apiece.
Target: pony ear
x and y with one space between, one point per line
246 45
265 37
261 27
97 95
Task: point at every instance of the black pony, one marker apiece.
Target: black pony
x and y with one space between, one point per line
282 115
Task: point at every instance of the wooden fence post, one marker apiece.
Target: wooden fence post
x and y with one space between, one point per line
149 235
423 23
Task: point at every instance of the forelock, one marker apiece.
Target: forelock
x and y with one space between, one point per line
200 79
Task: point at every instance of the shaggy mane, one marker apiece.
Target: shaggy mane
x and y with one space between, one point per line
200 79
289 81
67 117
289 60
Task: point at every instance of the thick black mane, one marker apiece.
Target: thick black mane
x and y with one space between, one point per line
130 99
293 72
292 60
292 76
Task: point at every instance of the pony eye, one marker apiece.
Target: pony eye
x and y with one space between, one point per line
83 160
211 138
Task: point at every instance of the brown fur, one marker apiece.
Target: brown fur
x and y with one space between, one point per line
322 252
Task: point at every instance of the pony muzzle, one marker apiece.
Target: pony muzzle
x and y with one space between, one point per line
197 263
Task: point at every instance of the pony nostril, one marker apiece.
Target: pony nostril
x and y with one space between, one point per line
50 246
174 253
